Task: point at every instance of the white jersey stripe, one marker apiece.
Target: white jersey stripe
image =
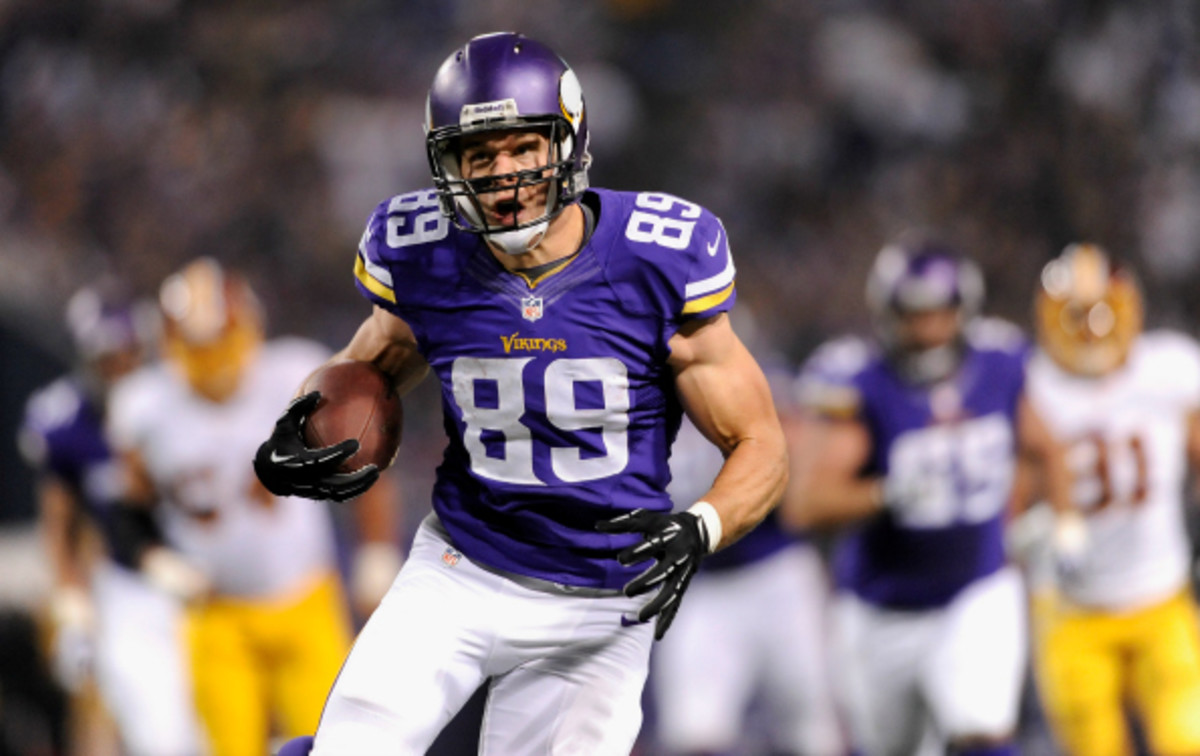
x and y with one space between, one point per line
713 283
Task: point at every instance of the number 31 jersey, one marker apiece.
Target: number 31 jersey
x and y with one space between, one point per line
1126 437
558 403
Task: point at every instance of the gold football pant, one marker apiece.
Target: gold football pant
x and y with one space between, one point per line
261 663
1091 663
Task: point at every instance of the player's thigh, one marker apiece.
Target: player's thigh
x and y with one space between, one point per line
228 679
878 656
1167 676
584 699
416 661
794 650
704 668
141 666
309 640
973 681
1078 665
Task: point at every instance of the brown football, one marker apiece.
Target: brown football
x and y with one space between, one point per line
357 401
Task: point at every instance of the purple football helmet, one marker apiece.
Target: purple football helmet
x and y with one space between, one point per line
102 320
919 273
497 82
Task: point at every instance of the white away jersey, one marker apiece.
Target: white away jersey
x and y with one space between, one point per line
1126 446
200 453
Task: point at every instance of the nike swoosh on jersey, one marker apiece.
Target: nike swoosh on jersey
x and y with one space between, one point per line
277 457
712 248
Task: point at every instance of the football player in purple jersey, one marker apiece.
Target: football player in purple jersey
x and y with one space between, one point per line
570 328
111 625
916 442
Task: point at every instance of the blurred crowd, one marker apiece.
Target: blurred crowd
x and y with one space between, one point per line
136 135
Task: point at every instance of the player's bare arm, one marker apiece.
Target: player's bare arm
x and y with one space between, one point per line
61 530
138 541
377 559
826 489
725 394
387 342
1193 439
1043 459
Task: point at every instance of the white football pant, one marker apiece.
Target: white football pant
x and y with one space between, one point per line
567 676
756 629
958 669
141 666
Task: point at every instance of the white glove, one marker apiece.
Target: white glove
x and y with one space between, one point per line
74 649
918 499
1030 535
1070 542
373 572
173 574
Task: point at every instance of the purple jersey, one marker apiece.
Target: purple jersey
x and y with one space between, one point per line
954 441
63 435
558 403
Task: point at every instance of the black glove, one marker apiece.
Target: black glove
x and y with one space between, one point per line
287 467
677 542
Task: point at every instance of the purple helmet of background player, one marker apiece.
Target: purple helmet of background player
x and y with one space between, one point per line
109 330
919 273
506 81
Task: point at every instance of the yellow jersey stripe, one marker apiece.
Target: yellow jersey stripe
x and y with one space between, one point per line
704 303
373 286
533 282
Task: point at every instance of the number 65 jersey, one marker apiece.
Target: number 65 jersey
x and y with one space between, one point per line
1126 439
947 449
558 402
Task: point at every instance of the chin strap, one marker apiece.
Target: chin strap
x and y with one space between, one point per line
519 241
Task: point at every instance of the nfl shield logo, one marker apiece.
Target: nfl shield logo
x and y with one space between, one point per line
531 308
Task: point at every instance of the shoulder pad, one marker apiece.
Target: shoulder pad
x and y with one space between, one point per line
49 410
682 249
1172 360
52 407
1164 342
134 400
827 383
399 230
298 350
996 335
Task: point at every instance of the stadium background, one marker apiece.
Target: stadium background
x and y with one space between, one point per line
137 134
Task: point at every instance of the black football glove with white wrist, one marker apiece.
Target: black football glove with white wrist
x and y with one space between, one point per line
287 467
677 542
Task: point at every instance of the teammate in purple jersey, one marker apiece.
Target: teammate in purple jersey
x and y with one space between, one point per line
765 601
110 625
917 442
570 328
